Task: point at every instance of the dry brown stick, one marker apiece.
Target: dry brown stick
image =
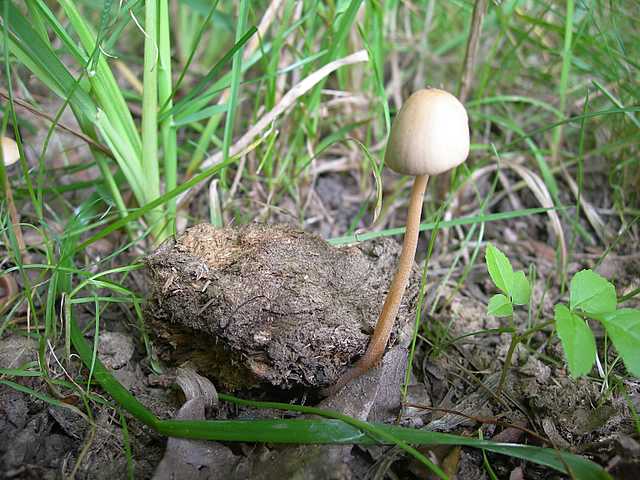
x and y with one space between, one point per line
129 76
60 126
471 55
8 290
483 420
466 80
15 220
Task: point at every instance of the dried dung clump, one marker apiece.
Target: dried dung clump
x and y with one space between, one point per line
263 303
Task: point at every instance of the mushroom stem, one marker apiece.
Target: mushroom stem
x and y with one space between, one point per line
387 317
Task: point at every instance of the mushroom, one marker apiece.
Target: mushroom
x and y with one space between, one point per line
429 136
10 152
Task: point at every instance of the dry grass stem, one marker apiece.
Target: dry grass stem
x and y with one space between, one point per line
286 102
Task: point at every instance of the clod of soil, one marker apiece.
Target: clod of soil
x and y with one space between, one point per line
262 303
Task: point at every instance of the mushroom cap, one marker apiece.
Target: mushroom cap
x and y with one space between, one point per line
430 134
10 152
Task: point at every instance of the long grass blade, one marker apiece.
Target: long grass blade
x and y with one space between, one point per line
168 133
136 214
149 158
491 217
236 75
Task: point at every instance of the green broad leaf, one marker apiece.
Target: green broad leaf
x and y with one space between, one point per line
577 341
623 326
500 269
592 293
521 289
500 306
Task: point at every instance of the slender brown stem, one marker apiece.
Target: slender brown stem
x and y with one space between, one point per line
515 339
14 216
8 291
58 125
381 334
471 55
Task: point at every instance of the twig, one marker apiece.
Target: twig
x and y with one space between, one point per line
466 79
471 55
60 126
8 289
483 420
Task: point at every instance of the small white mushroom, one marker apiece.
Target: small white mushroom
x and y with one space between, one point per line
10 152
429 136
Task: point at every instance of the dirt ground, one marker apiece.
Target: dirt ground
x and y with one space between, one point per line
454 373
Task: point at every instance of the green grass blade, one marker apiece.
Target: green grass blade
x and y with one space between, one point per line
575 118
150 103
345 22
30 49
201 86
39 57
104 85
567 55
9 114
110 384
192 53
616 102
35 394
378 76
491 217
19 372
167 126
200 115
134 215
343 430
236 75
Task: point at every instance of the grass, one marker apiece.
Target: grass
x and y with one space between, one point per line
553 91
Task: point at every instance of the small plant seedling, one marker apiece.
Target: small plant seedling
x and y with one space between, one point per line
514 285
591 297
516 290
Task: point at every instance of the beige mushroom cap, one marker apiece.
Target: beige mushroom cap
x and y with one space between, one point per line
10 152
430 134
